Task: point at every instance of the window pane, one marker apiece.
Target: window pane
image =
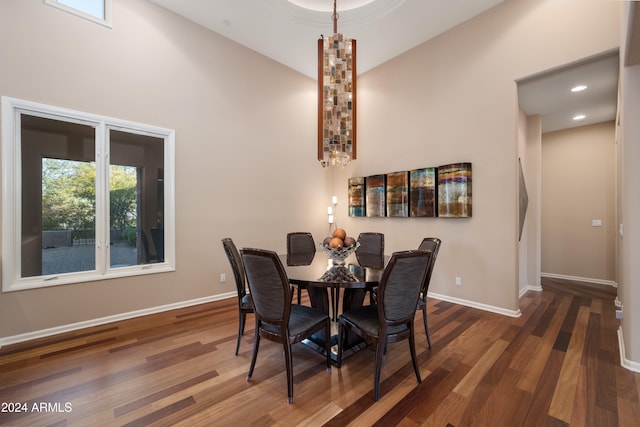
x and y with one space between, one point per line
88 197
123 214
136 198
58 197
90 7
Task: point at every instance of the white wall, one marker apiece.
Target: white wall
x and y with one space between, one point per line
578 186
454 99
245 142
246 131
629 200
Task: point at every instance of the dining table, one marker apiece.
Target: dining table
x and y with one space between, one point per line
326 280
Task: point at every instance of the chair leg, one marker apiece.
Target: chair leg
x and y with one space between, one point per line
299 295
243 318
289 362
372 295
380 350
336 304
327 345
412 348
426 325
254 356
341 332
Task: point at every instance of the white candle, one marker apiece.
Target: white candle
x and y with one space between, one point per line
329 210
334 200
330 219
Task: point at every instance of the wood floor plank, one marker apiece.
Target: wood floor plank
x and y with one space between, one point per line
468 384
556 364
563 396
530 377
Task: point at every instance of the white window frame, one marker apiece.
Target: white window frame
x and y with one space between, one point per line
12 195
106 21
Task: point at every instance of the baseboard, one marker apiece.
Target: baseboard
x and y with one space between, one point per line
580 279
473 304
109 319
627 364
529 288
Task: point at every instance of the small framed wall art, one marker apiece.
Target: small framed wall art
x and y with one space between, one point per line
375 195
422 192
398 194
454 190
356 197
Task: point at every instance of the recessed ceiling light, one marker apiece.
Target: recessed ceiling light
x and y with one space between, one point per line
579 117
578 88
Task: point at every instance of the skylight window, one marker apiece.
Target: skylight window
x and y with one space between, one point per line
98 11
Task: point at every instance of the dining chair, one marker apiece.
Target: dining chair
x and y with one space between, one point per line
245 303
300 243
148 256
370 253
391 319
431 244
277 319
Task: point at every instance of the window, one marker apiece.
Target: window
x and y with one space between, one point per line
85 197
94 10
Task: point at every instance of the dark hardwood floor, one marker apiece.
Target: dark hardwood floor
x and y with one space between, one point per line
556 365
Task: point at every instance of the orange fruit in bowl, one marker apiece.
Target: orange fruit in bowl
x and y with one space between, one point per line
340 233
336 243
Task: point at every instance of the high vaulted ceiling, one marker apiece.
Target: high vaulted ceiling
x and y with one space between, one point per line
287 30
288 33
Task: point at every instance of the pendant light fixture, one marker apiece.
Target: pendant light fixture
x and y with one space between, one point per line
336 98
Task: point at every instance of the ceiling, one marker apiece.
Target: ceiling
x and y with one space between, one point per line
549 94
287 30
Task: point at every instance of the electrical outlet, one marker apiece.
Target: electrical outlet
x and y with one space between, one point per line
223 278
458 281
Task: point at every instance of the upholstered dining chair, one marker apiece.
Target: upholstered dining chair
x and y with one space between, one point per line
391 319
300 243
370 253
428 244
277 319
148 256
245 304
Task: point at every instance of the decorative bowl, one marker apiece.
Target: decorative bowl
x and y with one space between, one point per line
338 255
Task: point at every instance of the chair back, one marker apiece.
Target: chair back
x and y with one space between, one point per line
370 253
236 266
430 244
148 256
300 242
268 284
400 286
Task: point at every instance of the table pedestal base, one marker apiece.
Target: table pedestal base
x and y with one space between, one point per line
354 345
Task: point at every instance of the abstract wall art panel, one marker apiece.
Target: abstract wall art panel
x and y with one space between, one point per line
524 199
454 190
356 197
375 195
398 194
422 192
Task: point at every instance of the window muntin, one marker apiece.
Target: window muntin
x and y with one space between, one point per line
98 11
89 187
